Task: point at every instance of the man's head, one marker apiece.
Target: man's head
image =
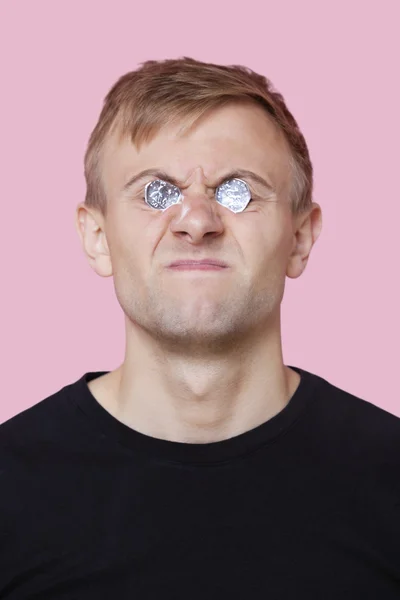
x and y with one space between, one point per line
195 125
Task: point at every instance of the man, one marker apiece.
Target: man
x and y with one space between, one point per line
203 466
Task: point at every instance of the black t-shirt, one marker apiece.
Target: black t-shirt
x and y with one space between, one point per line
306 505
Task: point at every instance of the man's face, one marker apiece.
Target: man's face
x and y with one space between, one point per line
196 307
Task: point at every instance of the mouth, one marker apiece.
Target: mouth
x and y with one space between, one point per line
206 264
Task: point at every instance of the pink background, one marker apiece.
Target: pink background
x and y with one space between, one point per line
337 65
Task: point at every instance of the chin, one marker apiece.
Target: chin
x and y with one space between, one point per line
204 330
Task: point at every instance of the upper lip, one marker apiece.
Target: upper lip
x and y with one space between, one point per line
203 261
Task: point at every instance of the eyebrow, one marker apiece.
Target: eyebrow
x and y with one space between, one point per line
236 174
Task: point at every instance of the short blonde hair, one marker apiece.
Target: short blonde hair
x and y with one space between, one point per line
158 93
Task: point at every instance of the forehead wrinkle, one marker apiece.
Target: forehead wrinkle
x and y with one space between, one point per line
198 174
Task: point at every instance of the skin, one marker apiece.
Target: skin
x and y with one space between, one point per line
203 357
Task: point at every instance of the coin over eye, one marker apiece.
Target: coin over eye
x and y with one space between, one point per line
160 194
233 194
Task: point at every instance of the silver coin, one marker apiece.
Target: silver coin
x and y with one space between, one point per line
233 194
160 194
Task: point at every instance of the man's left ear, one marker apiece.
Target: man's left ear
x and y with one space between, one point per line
307 228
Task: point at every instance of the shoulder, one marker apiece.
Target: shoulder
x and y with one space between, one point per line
355 444
359 431
35 426
32 443
357 414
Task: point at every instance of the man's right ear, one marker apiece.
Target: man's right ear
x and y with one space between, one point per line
90 227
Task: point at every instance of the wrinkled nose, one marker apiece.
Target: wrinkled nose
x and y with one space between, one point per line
197 217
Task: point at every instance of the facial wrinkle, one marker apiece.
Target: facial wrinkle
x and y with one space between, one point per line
196 175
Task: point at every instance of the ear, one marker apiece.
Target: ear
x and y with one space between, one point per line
307 227
90 226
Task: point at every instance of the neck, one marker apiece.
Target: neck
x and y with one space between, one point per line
198 399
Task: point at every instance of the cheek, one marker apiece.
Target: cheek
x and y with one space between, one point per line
135 237
263 240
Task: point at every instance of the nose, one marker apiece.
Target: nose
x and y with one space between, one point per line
197 217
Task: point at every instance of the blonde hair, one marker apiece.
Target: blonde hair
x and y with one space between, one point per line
158 93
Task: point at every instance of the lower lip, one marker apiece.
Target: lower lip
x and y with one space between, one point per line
198 267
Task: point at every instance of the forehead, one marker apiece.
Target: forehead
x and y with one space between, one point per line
228 138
